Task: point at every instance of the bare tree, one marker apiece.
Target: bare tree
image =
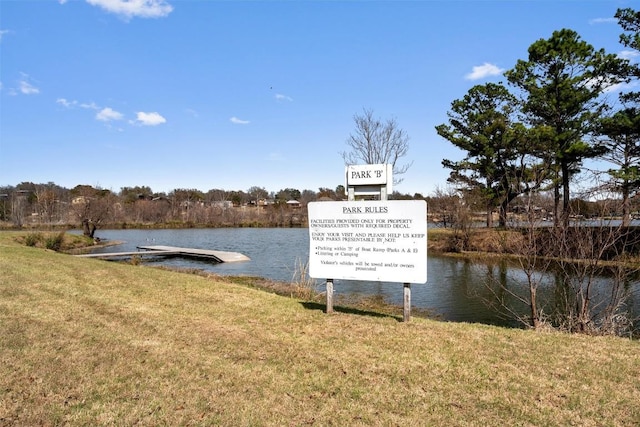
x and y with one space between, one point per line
584 256
585 273
377 142
508 300
307 196
452 208
256 193
92 207
444 205
47 200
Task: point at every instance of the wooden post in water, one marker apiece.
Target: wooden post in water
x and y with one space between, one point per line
329 296
407 303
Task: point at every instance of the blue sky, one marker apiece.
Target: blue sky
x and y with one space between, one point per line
221 94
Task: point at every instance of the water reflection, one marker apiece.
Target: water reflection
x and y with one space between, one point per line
456 289
569 298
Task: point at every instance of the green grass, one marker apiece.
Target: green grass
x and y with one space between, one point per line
89 342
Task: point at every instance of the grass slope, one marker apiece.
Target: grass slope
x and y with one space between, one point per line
89 342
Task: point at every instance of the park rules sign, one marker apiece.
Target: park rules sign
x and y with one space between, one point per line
383 241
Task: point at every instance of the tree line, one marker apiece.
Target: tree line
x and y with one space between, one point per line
51 205
90 207
555 111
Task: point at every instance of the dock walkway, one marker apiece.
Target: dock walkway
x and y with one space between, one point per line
217 256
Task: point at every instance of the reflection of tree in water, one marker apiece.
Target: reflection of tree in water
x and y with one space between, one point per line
562 280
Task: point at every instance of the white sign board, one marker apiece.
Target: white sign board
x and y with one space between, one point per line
369 175
383 241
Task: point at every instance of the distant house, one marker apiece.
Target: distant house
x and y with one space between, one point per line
226 204
80 200
293 204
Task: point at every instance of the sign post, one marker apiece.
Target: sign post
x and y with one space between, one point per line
375 240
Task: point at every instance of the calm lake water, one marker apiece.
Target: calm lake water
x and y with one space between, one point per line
456 289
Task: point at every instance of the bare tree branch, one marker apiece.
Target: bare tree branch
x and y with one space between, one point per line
377 142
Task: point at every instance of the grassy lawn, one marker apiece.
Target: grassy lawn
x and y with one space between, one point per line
90 342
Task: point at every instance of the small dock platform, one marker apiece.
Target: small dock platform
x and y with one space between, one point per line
167 251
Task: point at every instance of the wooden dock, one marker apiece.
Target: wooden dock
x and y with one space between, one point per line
167 251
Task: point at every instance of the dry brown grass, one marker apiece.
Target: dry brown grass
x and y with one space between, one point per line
88 342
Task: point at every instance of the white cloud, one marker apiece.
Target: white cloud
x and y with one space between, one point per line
281 97
108 114
238 121
3 32
135 8
66 103
619 87
602 21
628 54
484 70
608 87
74 103
89 106
149 119
25 87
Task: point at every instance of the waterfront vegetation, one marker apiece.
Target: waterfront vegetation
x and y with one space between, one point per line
89 342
